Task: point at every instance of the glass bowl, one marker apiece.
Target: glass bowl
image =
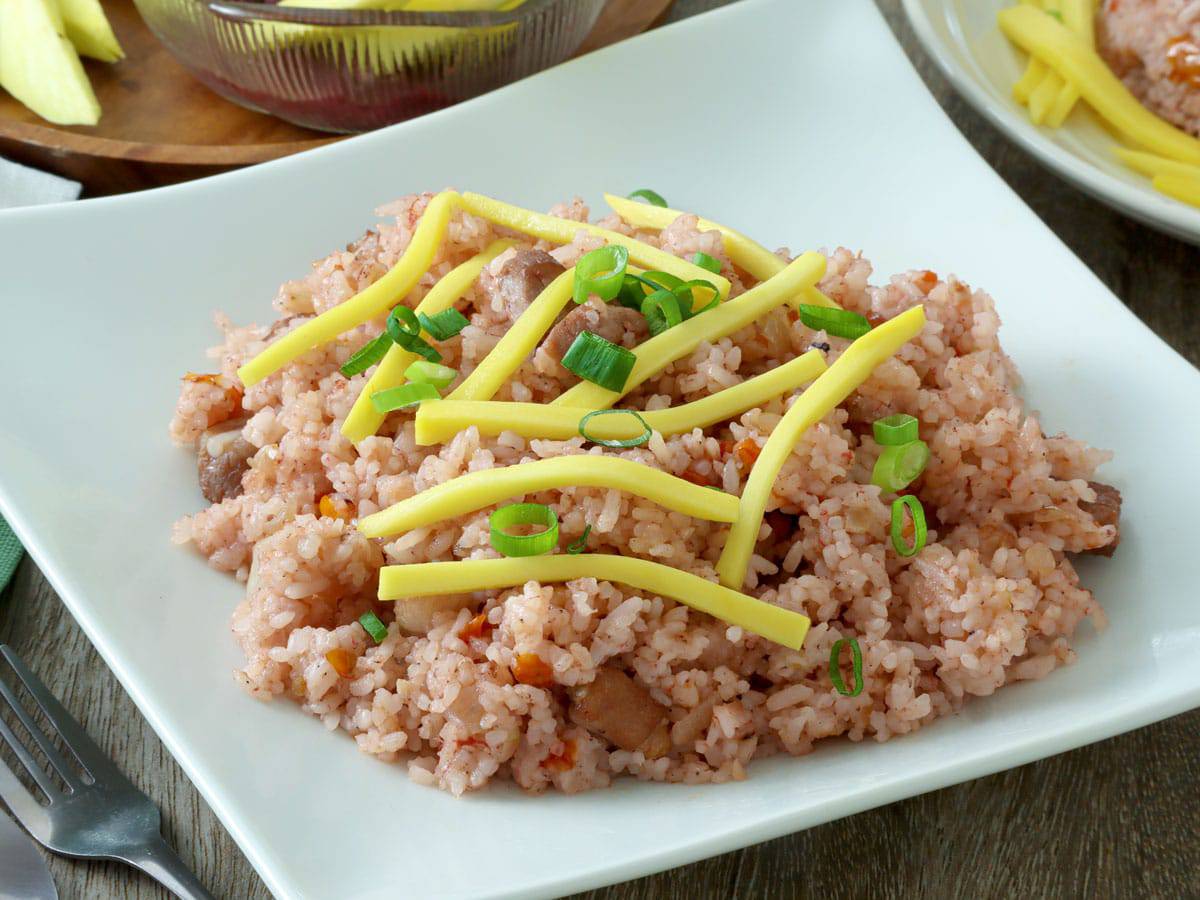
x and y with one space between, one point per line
353 70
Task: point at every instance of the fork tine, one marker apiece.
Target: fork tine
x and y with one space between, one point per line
91 757
64 769
23 804
31 766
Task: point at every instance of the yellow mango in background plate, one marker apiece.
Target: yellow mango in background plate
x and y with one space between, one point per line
40 67
88 29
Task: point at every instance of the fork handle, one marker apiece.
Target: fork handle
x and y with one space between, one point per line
158 860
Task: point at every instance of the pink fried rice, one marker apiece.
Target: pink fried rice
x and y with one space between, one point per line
1154 47
992 599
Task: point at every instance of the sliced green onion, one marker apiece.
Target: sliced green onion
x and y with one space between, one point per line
601 362
579 544
652 197
897 429
920 531
423 372
367 355
631 293
835 670
405 330
661 310
627 442
1055 13
523 544
403 397
656 281
373 626
898 466
444 325
686 290
601 272
838 322
704 261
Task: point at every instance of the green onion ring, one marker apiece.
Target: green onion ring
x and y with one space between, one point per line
841 323
893 430
600 272
627 442
579 544
652 197
899 466
444 325
601 362
704 261
689 287
424 372
373 626
403 397
405 331
523 544
920 530
835 670
661 310
367 355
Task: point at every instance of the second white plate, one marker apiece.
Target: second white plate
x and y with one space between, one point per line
962 36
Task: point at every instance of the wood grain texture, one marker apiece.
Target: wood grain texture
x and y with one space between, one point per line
1117 819
162 126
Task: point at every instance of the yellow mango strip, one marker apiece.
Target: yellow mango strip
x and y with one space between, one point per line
464 576
849 371
438 422
659 352
518 342
745 253
475 490
1068 54
1035 72
1150 165
364 419
366 304
563 231
1050 99
1185 188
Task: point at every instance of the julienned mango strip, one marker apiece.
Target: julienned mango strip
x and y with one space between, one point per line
1043 36
475 490
849 371
518 341
745 252
659 352
364 419
373 301
438 422
563 231
1185 188
1150 165
464 576
1049 97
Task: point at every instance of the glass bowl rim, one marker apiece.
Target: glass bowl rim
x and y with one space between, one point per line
248 12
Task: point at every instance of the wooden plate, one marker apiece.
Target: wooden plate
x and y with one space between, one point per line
160 125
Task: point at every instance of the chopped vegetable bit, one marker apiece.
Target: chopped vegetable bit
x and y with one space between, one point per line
841 323
531 669
478 627
900 529
601 362
893 430
515 514
747 451
342 661
443 325
652 197
561 762
704 261
835 668
413 394
334 506
647 431
900 465
580 544
600 272
373 626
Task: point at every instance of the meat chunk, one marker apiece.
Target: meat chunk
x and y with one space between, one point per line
622 712
1105 510
523 276
613 322
223 460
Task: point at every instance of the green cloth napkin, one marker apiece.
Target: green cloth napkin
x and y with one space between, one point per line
10 553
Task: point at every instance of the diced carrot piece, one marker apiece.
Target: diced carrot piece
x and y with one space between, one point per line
747 451
531 669
342 661
928 281
331 506
561 762
478 627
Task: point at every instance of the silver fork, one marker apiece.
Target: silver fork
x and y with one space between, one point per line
100 815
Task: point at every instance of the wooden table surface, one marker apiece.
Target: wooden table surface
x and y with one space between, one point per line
1119 818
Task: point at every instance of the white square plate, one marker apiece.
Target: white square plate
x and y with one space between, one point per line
964 39
801 123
